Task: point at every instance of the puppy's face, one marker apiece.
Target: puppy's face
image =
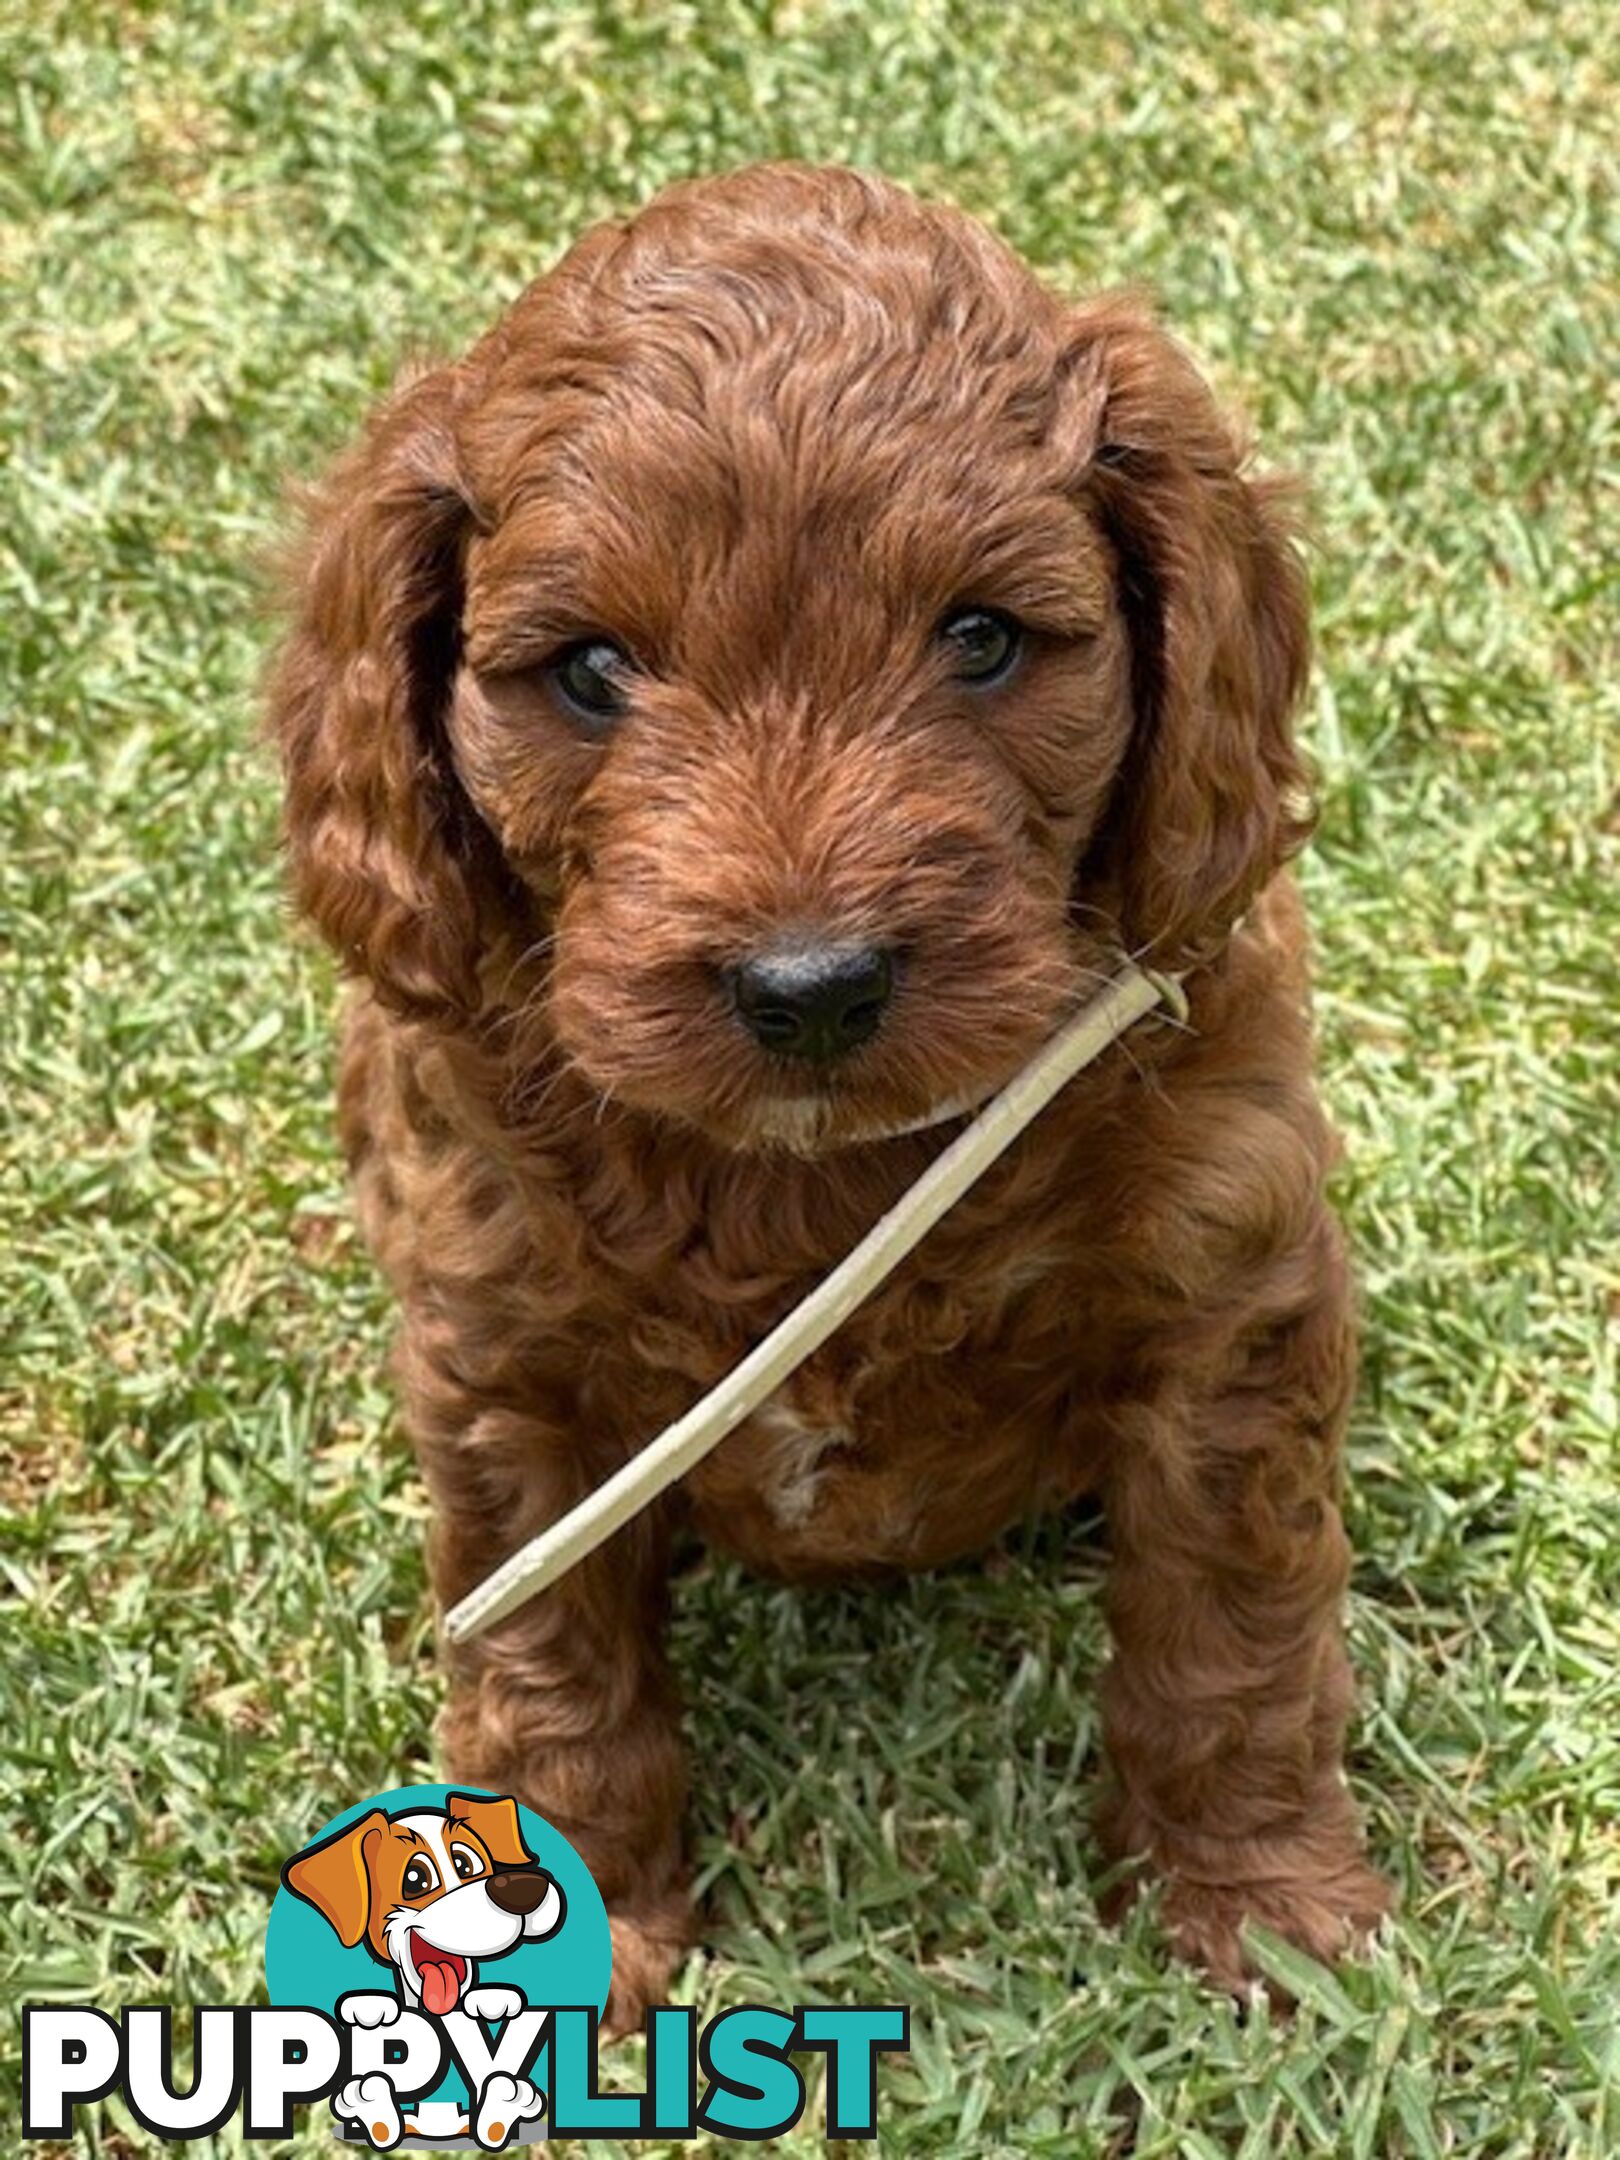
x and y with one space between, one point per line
799 604
793 698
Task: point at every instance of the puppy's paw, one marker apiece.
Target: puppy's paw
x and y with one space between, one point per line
1325 1903
493 2004
504 2103
1310 1884
368 2009
1328 1914
369 2101
648 1944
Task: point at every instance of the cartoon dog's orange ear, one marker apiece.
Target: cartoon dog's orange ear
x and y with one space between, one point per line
496 1823
333 1877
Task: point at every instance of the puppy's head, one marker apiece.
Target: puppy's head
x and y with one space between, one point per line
790 657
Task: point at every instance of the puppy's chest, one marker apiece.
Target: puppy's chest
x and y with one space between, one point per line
925 1426
801 1437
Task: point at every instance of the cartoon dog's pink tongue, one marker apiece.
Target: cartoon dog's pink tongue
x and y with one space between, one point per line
441 1973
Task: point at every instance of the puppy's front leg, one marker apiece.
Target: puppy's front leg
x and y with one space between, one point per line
567 1703
1225 1705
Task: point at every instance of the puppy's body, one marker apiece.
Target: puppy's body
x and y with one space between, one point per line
751 476
1100 1265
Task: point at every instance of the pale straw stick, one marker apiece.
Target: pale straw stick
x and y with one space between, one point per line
535 1566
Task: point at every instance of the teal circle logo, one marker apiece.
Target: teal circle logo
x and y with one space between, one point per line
436 1899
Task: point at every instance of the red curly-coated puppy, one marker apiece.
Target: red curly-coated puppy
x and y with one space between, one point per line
730 717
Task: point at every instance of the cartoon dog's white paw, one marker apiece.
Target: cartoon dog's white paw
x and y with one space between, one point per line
369 2101
493 2004
368 2009
503 2104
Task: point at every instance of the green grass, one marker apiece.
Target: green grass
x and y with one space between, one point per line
1392 230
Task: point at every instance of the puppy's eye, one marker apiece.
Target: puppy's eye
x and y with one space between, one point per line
465 1862
983 643
419 1878
592 679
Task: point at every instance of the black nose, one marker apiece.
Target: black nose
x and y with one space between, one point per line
518 1890
806 1000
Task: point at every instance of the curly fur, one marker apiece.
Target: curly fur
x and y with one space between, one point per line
765 433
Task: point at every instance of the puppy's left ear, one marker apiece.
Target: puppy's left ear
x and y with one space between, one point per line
1214 796
496 1823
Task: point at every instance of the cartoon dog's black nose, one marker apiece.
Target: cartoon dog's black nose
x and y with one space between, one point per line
809 1000
518 1890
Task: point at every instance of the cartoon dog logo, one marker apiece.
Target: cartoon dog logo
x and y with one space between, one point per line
433 1893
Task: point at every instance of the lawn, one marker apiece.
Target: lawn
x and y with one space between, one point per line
1392 231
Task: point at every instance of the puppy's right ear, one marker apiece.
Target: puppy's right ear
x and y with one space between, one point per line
387 855
334 1878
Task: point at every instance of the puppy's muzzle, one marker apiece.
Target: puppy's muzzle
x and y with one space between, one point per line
518 1890
805 999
